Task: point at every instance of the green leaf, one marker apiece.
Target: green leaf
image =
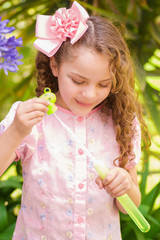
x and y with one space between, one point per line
155 226
154 32
122 6
144 176
7 234
3 215
139 235
151 106
144 209
154 82
156 214
101 11
13 182
151 197
144 4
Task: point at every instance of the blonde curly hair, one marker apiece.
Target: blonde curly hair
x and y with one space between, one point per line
105 38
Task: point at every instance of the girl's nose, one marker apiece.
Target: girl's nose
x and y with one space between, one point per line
89 92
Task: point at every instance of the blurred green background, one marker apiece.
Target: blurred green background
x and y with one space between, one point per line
139 20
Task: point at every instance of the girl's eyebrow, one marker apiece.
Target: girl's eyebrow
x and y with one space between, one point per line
78 75
106 80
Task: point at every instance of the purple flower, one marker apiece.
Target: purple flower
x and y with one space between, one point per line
3 28
9 58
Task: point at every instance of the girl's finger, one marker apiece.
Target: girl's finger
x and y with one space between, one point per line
99 182
31 106
113 184
34 121
110 176
38 100
34 114
116 192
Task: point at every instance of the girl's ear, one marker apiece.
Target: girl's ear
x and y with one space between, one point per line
53 66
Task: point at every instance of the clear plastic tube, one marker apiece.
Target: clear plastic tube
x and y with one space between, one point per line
124 200
134 213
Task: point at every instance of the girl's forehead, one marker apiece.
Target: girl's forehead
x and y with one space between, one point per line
81 51
87 60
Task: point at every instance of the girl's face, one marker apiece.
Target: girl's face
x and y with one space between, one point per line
83 82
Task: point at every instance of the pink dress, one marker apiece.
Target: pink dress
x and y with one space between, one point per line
60 199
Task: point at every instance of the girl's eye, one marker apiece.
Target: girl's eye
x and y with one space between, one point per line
73 80
77 82
104 86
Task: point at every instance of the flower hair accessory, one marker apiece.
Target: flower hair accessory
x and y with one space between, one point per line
51 31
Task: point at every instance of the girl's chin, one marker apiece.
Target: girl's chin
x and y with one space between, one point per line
81 112
77 108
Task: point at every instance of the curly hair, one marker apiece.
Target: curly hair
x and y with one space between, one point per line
105 38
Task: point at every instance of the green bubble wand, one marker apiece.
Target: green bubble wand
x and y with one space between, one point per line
124 200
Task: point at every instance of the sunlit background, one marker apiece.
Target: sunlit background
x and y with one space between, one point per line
140 23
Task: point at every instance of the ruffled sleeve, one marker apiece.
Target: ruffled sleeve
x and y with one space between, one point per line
24 150
6 122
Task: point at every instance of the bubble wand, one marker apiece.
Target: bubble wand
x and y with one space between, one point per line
51 97
124 200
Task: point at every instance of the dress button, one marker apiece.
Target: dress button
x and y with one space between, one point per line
81 185
80 119
80 219
80 151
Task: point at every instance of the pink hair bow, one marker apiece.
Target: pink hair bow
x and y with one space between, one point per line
51 31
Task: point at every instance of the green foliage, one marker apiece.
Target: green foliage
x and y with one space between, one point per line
150 211
142 32
10 200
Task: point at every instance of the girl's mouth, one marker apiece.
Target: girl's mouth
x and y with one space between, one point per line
83 104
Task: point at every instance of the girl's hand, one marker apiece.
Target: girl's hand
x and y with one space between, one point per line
28 114
117 182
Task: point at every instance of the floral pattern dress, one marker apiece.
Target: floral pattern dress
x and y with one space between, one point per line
60 199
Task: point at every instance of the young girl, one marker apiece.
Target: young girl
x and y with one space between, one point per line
86 62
